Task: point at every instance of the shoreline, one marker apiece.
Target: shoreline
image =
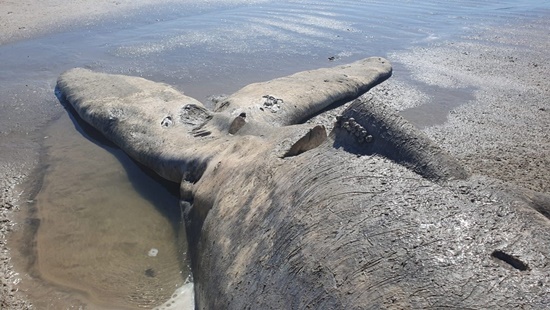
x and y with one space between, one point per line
504 147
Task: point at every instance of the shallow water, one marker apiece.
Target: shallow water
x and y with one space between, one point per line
99 213
107 229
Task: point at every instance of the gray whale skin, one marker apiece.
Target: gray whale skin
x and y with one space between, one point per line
284 215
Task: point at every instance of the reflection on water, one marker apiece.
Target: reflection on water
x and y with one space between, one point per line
119 247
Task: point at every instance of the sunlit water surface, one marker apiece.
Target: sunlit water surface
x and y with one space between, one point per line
103 233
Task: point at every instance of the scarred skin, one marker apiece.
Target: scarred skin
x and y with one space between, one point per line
284 216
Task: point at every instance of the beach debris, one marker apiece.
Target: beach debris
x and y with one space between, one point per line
153 252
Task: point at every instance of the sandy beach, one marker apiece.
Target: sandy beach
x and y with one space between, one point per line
499 132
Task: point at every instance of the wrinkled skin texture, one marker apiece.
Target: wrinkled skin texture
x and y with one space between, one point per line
285 216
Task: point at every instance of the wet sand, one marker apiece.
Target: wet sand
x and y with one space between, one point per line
500 130
26 19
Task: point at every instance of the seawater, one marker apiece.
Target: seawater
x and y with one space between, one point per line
98 215
107 229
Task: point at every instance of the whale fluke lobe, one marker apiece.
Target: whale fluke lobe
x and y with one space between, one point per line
152 122
175 135
295 98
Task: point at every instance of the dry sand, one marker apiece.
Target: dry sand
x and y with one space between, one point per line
502 132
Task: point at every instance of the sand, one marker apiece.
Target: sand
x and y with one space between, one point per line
26 19
500 131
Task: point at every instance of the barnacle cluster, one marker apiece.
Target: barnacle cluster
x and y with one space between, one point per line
271 103
166 122
350 125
